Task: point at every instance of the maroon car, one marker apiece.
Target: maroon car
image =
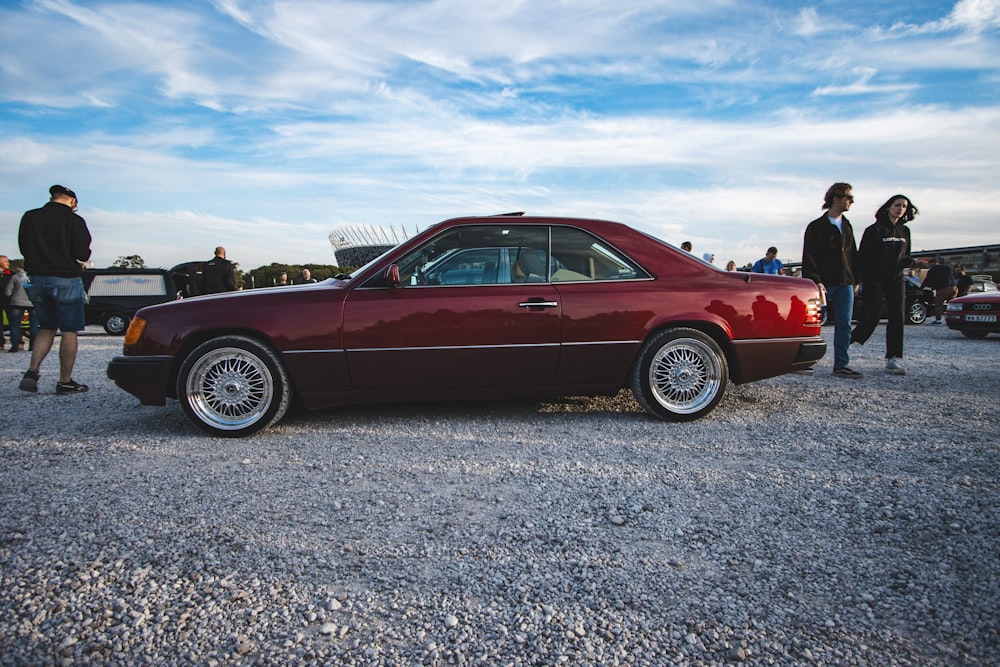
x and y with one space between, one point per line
976 314
486 308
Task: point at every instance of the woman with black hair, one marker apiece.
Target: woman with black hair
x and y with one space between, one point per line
884 253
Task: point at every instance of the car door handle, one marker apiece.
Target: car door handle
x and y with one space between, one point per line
538 304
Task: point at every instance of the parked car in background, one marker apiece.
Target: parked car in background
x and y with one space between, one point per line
975 314
917 304
114 295
487 308
982 283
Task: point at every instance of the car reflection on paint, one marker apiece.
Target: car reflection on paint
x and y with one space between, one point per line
479 308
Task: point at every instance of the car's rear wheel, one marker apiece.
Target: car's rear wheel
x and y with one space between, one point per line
681 375
233 386
116 324
917 313
972 333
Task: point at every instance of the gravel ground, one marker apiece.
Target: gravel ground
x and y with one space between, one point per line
809 520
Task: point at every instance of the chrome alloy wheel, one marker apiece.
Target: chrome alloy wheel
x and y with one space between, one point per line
685 376
229 388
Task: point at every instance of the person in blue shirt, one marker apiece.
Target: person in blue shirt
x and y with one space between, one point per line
769 263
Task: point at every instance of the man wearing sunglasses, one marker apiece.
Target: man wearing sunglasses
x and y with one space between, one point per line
830 259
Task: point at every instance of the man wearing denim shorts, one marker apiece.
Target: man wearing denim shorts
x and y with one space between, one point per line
55 242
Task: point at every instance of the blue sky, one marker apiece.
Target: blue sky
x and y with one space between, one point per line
262 125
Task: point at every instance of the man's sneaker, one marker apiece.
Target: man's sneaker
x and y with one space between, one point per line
936 322
71 387
893 366
846 372
30 381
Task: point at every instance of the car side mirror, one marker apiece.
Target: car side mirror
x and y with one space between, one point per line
392 275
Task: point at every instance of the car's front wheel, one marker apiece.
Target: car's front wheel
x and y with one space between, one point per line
233 386
116 324
681 375
917 313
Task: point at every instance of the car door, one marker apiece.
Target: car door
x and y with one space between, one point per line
456 321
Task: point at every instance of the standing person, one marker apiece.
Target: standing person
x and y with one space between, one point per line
17 303
307 276
884 254
830 259
219 275
5 277
55 242
769 263
941 279
283 279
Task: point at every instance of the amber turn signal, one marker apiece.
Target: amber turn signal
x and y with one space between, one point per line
135 329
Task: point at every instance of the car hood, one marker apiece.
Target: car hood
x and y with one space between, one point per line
978 297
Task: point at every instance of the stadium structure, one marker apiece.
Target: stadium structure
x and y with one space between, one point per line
356 245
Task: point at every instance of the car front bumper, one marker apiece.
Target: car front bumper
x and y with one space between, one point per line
146 378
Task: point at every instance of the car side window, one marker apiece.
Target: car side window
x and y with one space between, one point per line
476 255
579 256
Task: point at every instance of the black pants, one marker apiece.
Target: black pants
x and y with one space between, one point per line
873 291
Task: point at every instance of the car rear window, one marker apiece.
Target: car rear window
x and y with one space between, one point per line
128 285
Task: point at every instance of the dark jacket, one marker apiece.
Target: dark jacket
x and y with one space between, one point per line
5 278
54 241
884 251
829 256
938 276
219 276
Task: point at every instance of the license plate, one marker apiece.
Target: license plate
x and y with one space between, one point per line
980 318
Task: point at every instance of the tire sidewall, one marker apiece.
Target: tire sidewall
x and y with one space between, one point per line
281 394
112 330
916 306
640 374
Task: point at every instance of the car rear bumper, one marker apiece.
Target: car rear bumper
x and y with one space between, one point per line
144 377
764 358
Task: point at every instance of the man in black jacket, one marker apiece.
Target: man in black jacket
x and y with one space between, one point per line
941 279
830 259
219 273
55 242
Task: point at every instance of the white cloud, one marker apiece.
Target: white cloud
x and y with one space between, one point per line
276 121
808 22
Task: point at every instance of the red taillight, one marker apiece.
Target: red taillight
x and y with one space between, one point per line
814 312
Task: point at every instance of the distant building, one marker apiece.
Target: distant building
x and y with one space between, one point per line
356 245
977 259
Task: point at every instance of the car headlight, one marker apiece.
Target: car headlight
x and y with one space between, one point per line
954 306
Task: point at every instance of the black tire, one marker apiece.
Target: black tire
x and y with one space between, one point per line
917 313
681 375
972 333
233 386
116 324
